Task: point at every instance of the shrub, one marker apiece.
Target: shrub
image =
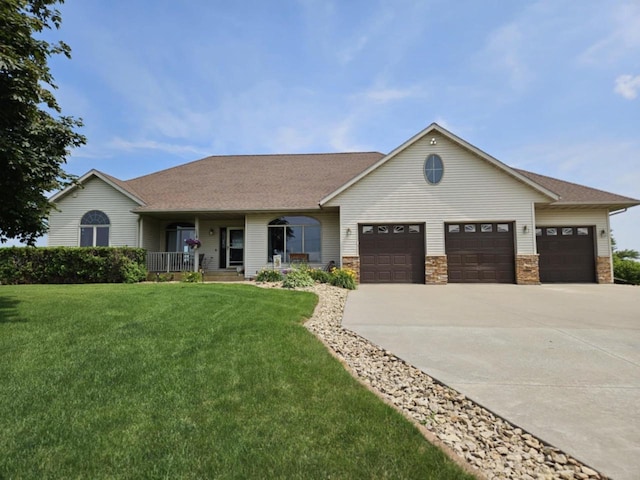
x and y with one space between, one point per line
192 277
320 276
266 275
164 277
344 278
72 265
298 279
627 270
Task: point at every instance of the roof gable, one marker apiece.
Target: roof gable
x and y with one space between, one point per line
434 127
113 182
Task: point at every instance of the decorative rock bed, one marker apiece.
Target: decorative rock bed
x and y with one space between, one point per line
489 444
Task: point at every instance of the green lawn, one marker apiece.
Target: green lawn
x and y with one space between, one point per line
187 381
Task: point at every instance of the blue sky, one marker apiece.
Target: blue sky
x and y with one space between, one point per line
551 86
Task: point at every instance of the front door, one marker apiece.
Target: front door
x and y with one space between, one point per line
235 247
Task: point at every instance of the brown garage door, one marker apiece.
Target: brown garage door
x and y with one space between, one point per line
480 252
391 253
567 254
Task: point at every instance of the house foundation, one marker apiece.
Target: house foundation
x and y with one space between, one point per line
603 270
435 270
527 270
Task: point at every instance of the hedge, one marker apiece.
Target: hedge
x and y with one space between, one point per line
19 265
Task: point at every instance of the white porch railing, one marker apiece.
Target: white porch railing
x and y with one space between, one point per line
170 262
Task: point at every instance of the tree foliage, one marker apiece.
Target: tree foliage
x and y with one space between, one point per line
626 268
35 138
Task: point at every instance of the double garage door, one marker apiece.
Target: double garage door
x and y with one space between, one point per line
476 253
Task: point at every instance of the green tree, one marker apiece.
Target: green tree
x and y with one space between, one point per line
35 138
625 266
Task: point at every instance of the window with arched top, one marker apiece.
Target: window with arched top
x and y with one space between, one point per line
295 238
94 229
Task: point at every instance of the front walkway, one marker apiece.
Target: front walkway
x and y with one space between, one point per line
560 361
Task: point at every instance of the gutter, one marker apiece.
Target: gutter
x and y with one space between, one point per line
617 212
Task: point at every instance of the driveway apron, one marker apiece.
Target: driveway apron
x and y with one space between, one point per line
560 361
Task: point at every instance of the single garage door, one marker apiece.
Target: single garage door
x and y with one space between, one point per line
391 253
480 252
567 254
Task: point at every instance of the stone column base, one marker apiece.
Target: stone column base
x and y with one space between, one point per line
352 263
527 270
604 271
435 270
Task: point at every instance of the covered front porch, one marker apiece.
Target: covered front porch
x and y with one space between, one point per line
182 243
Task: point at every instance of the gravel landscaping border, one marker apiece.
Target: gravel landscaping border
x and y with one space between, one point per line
473 436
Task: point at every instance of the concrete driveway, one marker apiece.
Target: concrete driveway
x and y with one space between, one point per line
560 361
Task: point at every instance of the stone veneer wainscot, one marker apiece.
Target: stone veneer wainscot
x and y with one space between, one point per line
354 264
603 270
527 270
435 270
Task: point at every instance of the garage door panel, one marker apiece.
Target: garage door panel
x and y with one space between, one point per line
383 260
394 252
480 253
367 260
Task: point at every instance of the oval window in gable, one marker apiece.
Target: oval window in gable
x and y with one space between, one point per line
433 169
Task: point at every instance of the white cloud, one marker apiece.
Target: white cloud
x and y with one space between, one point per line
627 86
129 146
386 95
504 53
622 38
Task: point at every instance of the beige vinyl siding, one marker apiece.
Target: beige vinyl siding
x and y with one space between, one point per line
471 190
598 218
64 223
256 239
153 237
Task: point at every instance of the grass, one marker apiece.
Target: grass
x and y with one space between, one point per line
187 381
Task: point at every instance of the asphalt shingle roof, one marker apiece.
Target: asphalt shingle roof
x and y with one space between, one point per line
293 182
250 182
574 194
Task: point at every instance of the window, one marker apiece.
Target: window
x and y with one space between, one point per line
583 230
454 228
433 169
503 227
177 235
367 229
94 229
469 228
414 228
486 227
383 229
295 234
552 231
567 231
398 229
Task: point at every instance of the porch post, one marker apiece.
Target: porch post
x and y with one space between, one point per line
196 257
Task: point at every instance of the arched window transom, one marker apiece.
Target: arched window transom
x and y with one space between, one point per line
295 238
94 229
